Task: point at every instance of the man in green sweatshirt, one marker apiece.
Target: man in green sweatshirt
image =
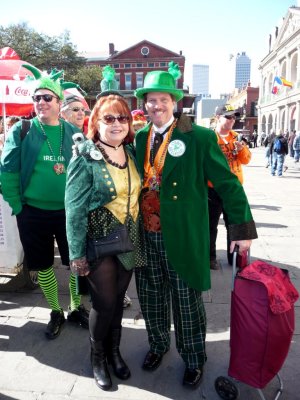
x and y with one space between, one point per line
33 177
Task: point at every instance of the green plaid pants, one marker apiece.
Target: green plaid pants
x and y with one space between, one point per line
157 285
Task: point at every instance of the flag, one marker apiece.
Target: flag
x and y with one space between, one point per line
276 84
280 82
286 83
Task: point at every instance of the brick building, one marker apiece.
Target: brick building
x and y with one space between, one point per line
132 64
245 100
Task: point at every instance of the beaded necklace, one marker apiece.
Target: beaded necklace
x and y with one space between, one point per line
155 178
58 167
109 161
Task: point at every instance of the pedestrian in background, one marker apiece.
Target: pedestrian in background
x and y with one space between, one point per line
10 121
255 137
139 120
267 143
176 159
291 143
33 178
73 110
278 150
296 147
237 154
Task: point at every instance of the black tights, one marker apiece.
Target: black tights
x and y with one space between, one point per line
108 283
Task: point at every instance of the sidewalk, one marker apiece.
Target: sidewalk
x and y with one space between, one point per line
33 368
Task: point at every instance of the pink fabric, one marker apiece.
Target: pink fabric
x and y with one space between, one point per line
260 337
281 292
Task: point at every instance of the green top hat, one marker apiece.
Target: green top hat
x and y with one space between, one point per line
162 81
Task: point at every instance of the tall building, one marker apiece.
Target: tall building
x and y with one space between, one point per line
242 70
201 79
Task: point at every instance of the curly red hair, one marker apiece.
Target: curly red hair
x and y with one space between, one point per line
109 104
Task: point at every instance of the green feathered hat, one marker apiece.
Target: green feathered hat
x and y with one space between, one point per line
109 85
162 81
52 81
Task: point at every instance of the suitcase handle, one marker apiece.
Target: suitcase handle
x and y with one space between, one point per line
235 268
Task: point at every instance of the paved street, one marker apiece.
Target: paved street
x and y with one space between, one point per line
33 368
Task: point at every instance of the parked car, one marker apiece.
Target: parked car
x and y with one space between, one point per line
245 134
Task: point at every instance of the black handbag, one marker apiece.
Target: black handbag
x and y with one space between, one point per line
82 287
117 242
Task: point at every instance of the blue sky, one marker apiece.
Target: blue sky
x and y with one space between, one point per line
207 31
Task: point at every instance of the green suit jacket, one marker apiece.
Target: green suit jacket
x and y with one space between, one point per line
89 186
184 201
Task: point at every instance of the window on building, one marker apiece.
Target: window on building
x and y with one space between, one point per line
127 65
116 65
139 65
151 65
163 64
139 79
117 78
253 108
127 81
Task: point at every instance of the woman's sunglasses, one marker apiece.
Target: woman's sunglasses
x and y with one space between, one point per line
229 116
76 109
46 97
110 119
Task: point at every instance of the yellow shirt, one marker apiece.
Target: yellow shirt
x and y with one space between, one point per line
118 207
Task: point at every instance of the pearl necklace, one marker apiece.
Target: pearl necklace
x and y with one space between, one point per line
58 167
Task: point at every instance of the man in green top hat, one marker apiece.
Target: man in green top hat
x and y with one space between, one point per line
33 179
176 159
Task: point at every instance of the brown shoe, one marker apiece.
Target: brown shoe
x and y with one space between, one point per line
214 264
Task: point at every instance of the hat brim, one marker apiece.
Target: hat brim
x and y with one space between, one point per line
177 93
107 93
229 113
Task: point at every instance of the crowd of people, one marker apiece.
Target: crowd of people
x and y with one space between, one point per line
116 190
278 145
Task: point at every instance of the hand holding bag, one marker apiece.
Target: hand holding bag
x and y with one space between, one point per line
117 242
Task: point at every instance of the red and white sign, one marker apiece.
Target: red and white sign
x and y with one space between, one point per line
15 98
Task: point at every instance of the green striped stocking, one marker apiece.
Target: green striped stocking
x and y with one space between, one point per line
48 284
75 298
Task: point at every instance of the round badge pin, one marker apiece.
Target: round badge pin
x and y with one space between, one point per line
176 148
96 155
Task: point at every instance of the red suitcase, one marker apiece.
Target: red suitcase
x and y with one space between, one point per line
262 324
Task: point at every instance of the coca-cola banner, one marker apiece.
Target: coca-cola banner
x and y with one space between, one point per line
14 92
15 98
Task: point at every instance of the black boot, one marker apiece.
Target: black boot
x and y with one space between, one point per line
114 357
99 364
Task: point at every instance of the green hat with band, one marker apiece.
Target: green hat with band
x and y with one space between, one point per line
162 81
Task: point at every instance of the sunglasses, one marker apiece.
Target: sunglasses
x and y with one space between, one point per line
229 116
110 119
76 109
46 97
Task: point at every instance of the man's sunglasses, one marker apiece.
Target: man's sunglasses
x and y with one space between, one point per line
46 97
76 109
110 119
229 116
